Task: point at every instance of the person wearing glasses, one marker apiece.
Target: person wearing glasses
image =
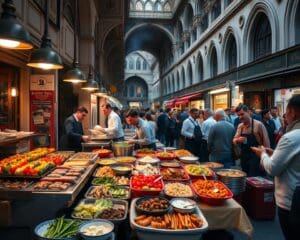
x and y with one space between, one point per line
73 134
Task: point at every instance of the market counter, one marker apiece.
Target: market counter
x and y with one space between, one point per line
26 212
230 215
89 146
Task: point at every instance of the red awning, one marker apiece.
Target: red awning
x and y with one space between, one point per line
170 103
187 98
182 102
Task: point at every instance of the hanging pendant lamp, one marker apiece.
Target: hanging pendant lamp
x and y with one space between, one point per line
102 90
91 84
75 75
13 34
45 57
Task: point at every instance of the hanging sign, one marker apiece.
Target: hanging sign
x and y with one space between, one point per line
42 82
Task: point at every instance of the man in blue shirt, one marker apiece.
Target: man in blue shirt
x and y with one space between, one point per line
145 135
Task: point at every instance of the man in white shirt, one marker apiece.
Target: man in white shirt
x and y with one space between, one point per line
192 144
206 125
284 164
114 128
276 118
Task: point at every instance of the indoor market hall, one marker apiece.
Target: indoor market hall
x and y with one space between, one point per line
149 119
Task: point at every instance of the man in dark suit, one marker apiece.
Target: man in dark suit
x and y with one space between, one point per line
73 131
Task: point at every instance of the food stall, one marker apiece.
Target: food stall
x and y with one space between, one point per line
92 186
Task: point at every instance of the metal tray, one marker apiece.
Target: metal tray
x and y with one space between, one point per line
27 176
50 190
115 202
90 156
93 181
167 233
4 188
127 197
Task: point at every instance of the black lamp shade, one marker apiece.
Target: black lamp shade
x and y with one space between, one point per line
74 75
45 57
103 90
13 35
91 84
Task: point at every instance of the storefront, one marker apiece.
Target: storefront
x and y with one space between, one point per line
282 96
191 100
220 98
200 104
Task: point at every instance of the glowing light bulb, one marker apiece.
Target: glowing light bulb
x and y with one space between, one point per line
13 92
9 43
45 66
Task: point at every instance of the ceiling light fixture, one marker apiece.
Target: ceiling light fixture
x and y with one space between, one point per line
91 84
45 57
75 75
13 34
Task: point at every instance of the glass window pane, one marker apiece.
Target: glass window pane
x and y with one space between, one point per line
139 6
148 6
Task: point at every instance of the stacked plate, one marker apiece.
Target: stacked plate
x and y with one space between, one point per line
234 179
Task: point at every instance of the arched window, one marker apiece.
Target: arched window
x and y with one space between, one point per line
231 54
227 2
126 66
131 64
178 81
199 68
173 83
213 63
138 64
167 7
183 78
131 90
148 6
139 6
216 11
131 6
139 91
262 44
144 65
157 6
190 74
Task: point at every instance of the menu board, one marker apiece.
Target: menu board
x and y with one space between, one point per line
42 99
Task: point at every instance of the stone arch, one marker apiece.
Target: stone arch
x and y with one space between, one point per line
133 82
188 16
107 32
264 7
230 35
199 68
292 23
163 29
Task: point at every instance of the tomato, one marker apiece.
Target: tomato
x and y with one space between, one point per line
141 182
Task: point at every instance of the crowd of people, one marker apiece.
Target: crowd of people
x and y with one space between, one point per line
266 142
214 135
210 135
